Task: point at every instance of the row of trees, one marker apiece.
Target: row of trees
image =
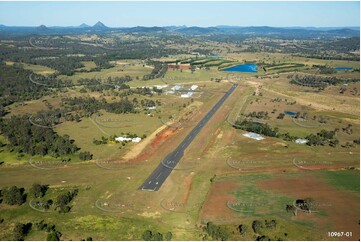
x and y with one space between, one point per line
318 81
21 230
17 196
256 127
322 138
53 233
149 235
216 232
158 71
259 115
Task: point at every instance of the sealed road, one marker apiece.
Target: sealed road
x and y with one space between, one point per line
163 170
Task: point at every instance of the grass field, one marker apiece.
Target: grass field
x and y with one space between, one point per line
257 179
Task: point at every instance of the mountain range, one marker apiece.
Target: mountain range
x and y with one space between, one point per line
99 27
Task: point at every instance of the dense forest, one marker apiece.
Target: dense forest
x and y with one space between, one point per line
65 54
24 137
16 87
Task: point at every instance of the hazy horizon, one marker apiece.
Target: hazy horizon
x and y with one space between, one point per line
180 25
201 14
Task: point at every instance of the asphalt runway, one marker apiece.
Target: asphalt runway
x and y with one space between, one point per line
163 170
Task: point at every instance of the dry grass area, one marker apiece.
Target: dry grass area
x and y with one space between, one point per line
323 101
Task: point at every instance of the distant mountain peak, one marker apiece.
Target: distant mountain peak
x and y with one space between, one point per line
42 27
84 25
99 25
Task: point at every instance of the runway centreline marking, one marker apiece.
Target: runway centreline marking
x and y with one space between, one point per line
173 156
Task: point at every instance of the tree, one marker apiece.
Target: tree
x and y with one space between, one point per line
53 236
85 155
168 236
256 226
147 235
216 232
157 237
62 200
14 195
281 116
271 224
19 231
263 238
38 190
242 229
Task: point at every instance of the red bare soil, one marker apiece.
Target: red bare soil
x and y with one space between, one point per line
179 67
156 143
215 208
188 186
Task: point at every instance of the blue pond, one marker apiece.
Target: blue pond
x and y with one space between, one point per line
243 68
290 113
343 69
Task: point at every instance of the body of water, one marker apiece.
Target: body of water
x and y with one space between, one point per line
290 113
243 68
343 69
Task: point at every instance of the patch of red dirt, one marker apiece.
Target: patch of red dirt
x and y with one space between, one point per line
156 143
211 142
162 136
188 186
215 208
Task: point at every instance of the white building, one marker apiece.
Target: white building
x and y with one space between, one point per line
135 140
160 86
253 136
185 95
301 141
173 89
189 94
176 87
194 87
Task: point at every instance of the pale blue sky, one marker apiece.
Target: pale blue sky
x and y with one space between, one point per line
127 14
